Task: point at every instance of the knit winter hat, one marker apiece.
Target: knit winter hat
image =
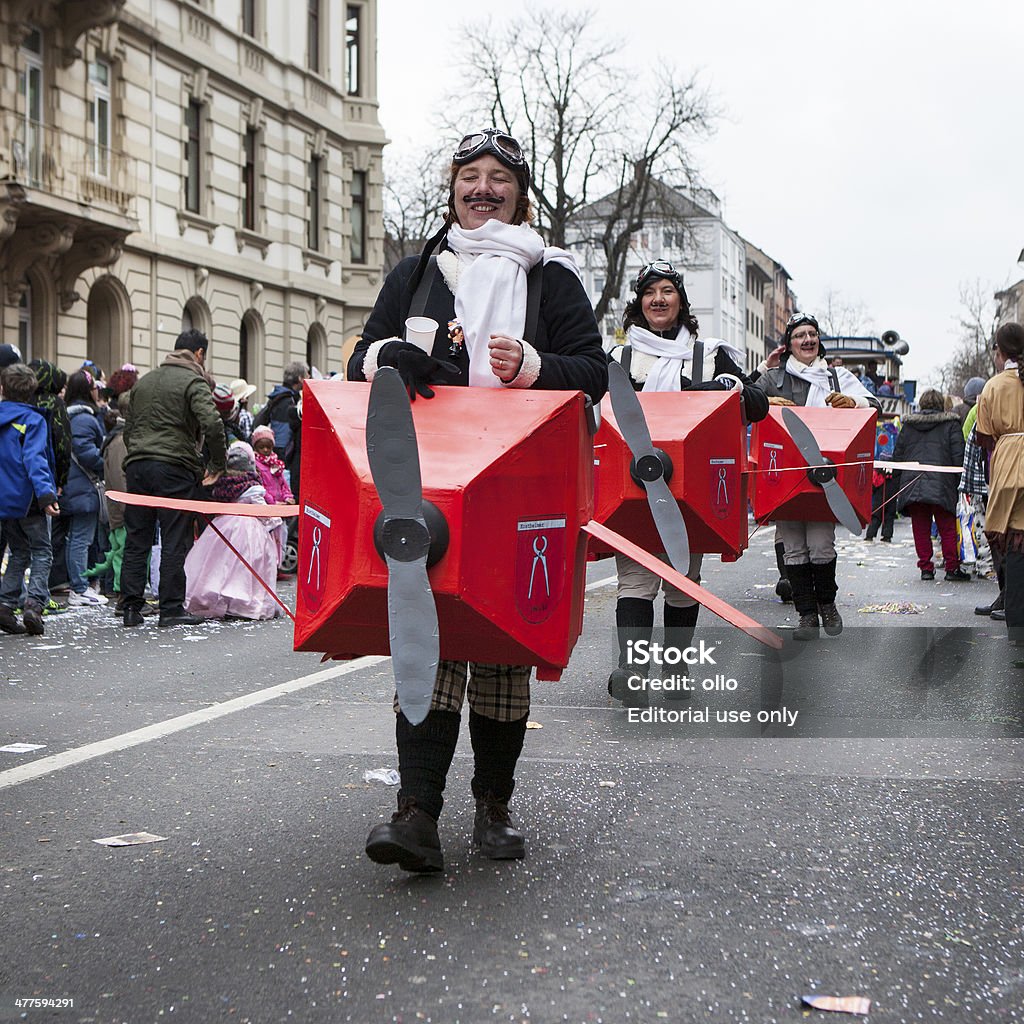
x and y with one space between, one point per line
48 376
224 400
973 388
261 432
9 354
241 458
122 381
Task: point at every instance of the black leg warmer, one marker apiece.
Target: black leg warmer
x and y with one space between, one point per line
425 753
800 576
634 620
824 576
496 749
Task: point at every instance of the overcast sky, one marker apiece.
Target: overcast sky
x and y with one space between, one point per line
876 149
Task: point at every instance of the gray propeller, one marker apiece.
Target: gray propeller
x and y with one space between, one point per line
412 614
651 466
823 472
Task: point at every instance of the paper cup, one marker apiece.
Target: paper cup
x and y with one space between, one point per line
420 331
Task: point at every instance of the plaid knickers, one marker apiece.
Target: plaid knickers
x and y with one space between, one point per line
501 692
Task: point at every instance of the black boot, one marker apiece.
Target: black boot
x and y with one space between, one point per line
32 617
803 601
998 604
409 840
425 753
9 621
634 621
1014 596
825 590
784 589
679 629
496 749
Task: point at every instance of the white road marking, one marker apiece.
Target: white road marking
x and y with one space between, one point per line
601 583
57 762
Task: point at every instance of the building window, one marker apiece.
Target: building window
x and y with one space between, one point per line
249 180
243 350
193 122
25 323
99 117
313 222
249 18
358 217
30 87
313 35
352 15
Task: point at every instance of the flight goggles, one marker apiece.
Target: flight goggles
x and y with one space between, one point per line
652 271
801 318
490 140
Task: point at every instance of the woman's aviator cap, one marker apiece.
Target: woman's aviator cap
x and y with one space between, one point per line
658 269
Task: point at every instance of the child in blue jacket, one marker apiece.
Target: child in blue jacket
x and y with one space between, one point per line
28 496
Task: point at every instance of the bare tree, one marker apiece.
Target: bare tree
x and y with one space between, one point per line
841 317
594 127
415 197
975 322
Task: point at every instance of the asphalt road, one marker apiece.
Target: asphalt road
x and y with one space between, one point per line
678 871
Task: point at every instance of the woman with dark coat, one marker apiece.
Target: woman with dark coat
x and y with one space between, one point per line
477 287
660 354
935 437
80 500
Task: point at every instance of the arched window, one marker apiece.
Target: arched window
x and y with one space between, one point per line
196 315
108 324
250 346
316 348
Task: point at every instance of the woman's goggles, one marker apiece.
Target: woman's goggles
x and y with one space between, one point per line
658 269
490 140
802 318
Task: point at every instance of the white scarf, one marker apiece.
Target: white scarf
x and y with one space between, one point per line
672 353
820 380
491 295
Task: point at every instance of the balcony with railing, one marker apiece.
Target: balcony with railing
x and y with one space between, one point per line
56 163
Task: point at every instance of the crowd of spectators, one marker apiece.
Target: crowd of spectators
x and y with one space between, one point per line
67 438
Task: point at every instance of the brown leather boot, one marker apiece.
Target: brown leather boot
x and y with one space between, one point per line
493 831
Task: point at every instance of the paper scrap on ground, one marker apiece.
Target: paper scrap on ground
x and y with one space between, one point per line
21 748
131 839
386 775
606 784
534 725
840 1004
895 608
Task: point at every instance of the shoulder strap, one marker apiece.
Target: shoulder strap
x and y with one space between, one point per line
87 473
419 298
534 288
698 363
834 377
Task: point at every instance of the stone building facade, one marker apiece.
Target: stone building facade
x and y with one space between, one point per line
175 163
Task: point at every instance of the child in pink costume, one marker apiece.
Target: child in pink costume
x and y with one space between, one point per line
271 468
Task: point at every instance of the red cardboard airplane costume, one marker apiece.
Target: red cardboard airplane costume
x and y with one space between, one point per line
496 537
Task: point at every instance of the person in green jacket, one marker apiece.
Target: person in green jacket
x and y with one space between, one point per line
168 415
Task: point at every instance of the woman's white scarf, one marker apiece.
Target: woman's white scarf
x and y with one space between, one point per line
820 380
673 353
491 295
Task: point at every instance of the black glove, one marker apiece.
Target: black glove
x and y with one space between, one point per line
415 367
709 385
